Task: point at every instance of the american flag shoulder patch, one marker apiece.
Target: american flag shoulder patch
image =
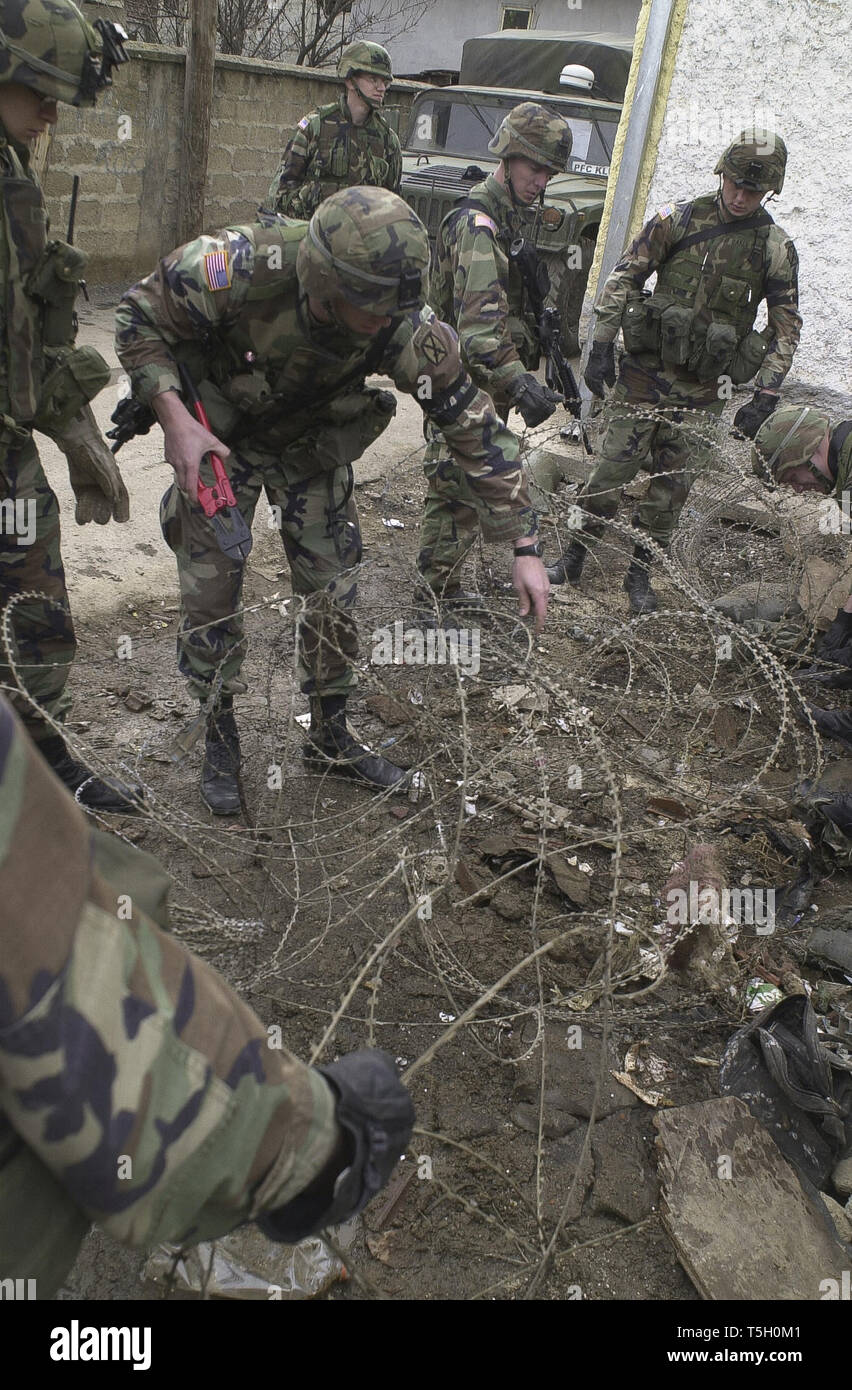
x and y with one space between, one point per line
303 124
481 219
666 210
217 270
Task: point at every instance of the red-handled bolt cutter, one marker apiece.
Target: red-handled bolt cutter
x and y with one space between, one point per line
218 502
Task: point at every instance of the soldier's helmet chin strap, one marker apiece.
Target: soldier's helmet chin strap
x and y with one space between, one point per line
368 101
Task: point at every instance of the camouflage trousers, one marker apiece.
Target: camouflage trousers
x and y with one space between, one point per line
43 641
668 448
318 524
450 519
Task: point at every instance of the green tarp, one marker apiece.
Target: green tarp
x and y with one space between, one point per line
533 59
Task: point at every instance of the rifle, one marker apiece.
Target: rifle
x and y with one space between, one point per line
130 418
557 373
72 217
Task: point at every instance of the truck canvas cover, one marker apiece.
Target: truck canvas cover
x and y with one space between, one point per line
533 60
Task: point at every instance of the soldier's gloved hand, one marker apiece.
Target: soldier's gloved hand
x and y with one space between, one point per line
534 401
376 1115
95 479
751 416
836 645
600 368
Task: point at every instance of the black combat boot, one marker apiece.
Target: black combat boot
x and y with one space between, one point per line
570 567
452 604
833 723
331 747
637 582
219 790
95 793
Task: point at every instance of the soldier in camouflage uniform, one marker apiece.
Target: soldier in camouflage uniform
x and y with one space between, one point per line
716 258
280 323
477 289
136 1089
799 448
346 143
49 53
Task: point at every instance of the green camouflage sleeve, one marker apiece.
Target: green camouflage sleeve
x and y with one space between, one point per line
643 256
423 360
127 1065
781 288
480 304
286 188
395 162
178 303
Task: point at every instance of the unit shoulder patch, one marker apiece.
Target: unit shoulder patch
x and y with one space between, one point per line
217 270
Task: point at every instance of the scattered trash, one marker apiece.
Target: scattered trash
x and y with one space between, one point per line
521 698
245 1264
792 1085
640 1068
761 995
417 787
393 523
303 720
446 1018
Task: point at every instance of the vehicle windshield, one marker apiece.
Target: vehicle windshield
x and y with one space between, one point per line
462 126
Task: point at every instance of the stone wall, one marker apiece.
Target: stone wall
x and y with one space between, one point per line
127 153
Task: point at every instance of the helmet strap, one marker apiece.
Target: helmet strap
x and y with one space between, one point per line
368 101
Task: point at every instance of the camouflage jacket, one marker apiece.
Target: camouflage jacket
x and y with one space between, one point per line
840 457
274 379
770 256
136 1089
476 288
23 234
328 151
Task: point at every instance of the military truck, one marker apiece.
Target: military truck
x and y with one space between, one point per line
445 152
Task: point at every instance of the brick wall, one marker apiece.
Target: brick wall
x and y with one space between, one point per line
127 153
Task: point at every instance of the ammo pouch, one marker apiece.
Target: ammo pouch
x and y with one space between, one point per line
711 356
675 335
55 280
640 323
72 378
748 358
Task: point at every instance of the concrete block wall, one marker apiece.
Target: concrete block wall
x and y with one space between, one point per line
127 153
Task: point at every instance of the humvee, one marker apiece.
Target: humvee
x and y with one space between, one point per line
446 151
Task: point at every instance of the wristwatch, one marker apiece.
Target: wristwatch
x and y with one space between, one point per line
523 550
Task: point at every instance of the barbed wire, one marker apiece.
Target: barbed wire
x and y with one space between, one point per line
515 889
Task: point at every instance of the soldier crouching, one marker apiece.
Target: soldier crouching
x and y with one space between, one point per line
280 324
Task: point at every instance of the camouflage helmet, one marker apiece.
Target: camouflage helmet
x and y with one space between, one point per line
535 133
366 245
789 438
756 159
364 57
48 46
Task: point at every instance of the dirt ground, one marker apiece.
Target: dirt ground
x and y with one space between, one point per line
550 817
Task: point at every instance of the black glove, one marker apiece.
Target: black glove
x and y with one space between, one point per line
534 401
836 645
376 1115
751 416
600 368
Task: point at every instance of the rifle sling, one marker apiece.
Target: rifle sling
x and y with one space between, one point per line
759 219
